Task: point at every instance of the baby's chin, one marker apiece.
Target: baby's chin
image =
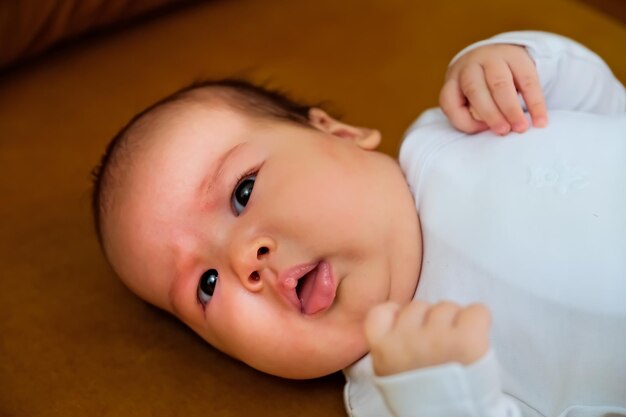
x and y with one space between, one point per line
305 370
309 367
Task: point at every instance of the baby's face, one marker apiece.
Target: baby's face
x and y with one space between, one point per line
269 239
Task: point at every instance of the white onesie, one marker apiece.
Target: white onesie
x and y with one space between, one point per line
534 226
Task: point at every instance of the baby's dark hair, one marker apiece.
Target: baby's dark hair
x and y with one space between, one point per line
240 95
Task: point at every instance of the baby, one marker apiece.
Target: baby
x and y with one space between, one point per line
280 236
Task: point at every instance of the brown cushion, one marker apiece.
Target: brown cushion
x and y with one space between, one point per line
30 26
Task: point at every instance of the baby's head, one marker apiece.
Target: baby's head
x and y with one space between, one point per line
268 227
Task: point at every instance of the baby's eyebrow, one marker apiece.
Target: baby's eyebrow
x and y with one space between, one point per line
209 182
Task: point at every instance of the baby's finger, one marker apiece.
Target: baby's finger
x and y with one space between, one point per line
475 317
412 316
379 322
442 314
500 81
528 84
453 103
474 87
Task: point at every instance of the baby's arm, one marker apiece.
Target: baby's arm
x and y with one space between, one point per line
571 76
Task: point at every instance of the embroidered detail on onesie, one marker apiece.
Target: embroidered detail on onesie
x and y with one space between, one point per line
561 177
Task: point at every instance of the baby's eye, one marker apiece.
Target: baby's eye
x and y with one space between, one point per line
242 193
206 286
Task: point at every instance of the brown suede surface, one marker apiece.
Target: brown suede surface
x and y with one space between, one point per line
73 340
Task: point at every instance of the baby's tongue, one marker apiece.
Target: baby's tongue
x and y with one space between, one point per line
318 291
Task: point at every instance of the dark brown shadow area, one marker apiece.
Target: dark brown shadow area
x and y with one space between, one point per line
614 8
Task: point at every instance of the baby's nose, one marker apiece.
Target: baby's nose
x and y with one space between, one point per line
251 261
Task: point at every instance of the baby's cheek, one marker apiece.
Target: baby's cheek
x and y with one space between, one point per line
243 323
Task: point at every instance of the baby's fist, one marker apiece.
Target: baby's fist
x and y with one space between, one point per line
421 334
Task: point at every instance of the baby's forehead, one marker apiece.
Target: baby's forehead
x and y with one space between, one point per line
158 174
169 131
177 114
194 124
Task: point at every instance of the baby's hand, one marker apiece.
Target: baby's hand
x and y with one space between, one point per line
480 91
420 334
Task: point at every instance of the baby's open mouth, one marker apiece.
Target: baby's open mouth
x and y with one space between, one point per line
315 288
302 280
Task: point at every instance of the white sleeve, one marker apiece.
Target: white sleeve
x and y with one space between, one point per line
450 390
572 77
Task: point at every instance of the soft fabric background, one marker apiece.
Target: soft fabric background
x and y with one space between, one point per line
28 27
73 340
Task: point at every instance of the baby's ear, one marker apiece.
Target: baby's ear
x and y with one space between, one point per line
365 138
